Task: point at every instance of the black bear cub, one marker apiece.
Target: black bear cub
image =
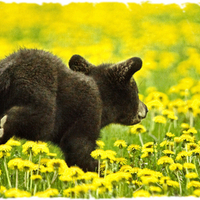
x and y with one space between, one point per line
45 100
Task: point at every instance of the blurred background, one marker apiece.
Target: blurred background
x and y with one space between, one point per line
165 36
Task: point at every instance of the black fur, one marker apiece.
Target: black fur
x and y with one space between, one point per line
45 100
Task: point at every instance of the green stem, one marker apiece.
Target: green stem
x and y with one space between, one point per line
191 119
106 168
179 183
39 163
27 174
166 167
54 177
140 137
35 189
48 180
99 167
16 183
170 124
7 174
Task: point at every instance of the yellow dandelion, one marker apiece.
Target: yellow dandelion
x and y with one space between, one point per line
52 155
155 189
4 154
168 152
167 144
155 104
195 184
196 152
13 142
191 175
57 164
188 165
133 147
149 172
167 112
177 140
27 148
141 193
138 128
165 160
173 184
74 172
135 170
40 148
169 135
164 179
118 176
172 117
80 189
25 165
145 154
121 161
149 150
100 144
66 178
88 176
185 126
148 145
97 154
51 192
67 192
160 119
120 143
197 192
183 155
192 146
137 183
176 167
16 193
46 169
2 189
125 168
162 97
102 182
4 148
36 177
149 179
109 155
187 138
163 143
191 131
44 161
177 104
14 163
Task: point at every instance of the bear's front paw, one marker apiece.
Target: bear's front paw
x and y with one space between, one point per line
3 121
1 132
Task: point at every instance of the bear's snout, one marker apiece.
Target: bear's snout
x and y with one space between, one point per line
142 110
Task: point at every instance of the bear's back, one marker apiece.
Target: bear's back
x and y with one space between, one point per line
35 66
28 76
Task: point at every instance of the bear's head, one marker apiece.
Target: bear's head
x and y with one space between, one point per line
118 90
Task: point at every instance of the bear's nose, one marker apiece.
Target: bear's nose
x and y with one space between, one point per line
142 112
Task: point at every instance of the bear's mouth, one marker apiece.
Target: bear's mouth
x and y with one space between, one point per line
142 113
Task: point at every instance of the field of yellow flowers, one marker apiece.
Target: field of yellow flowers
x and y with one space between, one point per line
160 156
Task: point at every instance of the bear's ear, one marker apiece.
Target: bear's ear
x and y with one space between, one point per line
79 64
123 71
